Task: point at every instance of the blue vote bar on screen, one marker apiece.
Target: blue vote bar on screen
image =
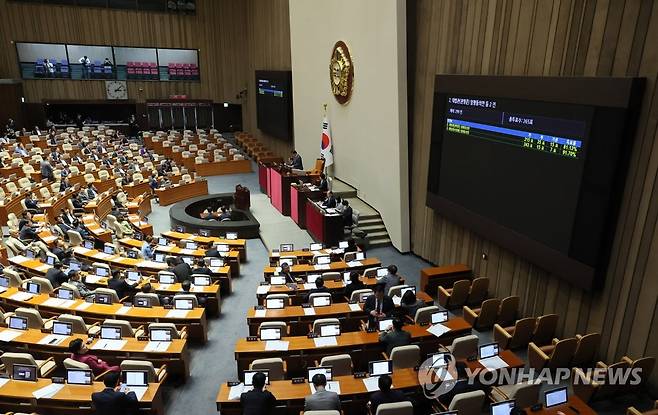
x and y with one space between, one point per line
518 133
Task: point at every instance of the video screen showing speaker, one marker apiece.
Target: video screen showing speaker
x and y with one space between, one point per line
536 165
274 103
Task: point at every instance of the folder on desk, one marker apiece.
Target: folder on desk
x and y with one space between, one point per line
325 341
276 345
493 363
438 329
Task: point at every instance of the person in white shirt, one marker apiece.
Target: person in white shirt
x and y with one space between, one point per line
50 68
86 63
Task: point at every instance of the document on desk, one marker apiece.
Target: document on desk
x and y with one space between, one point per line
260 313
43 268
272 345
197 289
93 279
2 289
84 306
397 300
123 310
21 296
139 391
104 344
19 259
81 250
371 383
309 311
308 286
262 289
322 267
235 392
353 264
493 363
438 329
53 339
355 307
3 381
332 386
164 287
325 341
275 254
54 302
9 335
48 391
102 255
177 313
157 346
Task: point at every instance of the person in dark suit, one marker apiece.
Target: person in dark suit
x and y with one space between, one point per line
118 284
110 401
319 288
355 284
285 272
378 306
385 394
31 202
323 185
391 279
181 269
201 267
90 192
351 246
56 276
395 336
47 171
296 161
330 200
348 221
410 304
322 399
258 401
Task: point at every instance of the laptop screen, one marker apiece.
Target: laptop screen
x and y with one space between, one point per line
191 245
183 304
159 258
74 266
202 281
160 335
274 303
231 236
322 301
102 271
222 248
330 330
102 298
79 377
315 247
33 288
555 397
142 302
188 260
311 278
110 333
62 328
50 260
324 370
167 279
162 241
25 372
488 350
108 249
439 317
364 296
343 244
132 275
502 408
270 333
4 282
89 244
439 359
360 256
382 272
249 375
286 247
278 280
134 377
381 367
132 254
18 323
216 262
30 254
385 324
323 260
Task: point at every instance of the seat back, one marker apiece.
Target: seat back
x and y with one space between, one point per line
563 353
469 403
274 365
349 256
316 295
478 291
74 364
274 324
459 294
324 322
341 365
191 297
43 283
15 279
152 298
465 346
34 319
113 294
523 332
526 394
357 293
126 329
74 237
404 357
395 290
395 408
78 325
508 311
545 329
151 376
488 314
175 334
370 272
646 364
424 314
10 359
331 276
586 349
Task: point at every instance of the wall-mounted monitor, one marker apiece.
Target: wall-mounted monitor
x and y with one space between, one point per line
274 103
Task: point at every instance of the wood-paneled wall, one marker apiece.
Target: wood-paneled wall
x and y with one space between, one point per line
553 38
268 46
218 30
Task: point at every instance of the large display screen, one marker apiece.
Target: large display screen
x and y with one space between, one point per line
274 103
537 175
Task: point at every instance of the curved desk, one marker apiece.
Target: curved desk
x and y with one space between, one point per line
239 244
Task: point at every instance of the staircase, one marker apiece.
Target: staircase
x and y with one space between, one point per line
369 219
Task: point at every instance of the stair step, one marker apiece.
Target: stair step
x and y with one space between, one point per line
373 228
379 242
378 234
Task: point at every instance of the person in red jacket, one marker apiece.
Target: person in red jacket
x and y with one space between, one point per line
79 352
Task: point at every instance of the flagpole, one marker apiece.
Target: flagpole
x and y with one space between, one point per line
326 168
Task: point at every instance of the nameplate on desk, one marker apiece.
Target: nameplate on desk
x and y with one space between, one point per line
232 383
297 381
312 335
252 338
259 307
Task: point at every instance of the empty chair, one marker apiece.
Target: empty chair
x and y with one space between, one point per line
89 178
34 319
587 388
404 357
275 366
456 296
317 324
45 287
331 276
44 367
175 333
75 239
464 347
558 354
545 329
645 364
424 314
586 349
478 290
186 178
274 324
284 297
524 394
517 336
362 293
126 329
103 175
370 273
395 408
187 297
24 182
108 291
508 311
469 403
78 324
313 296
153 375
485 316
341 365
349 256
152 298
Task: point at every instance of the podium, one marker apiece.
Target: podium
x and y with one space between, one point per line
323 227
300 195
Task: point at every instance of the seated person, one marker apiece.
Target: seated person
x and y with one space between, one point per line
126 227
257 401
59 249
148 247
348 220
391 279
409 304
112 400
31 202
119 284
224 215
355 284
56 276
74 279
285 272
79 352
385 394
329 201
201 267
351 246
27 228
395 336
319 288
323 185
322 399
378 306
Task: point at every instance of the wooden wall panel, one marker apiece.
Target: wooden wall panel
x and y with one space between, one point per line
218 30
556 38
